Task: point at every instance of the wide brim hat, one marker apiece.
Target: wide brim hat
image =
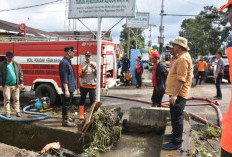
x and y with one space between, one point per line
183 42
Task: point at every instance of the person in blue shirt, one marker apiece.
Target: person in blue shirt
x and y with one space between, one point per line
68 84
125 65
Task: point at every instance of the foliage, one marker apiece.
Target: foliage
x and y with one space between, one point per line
135 32
200 139
105 131
211 132
205 33
204 152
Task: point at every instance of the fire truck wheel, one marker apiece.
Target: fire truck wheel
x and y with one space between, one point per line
46 90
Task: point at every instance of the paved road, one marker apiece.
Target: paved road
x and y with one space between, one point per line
207 90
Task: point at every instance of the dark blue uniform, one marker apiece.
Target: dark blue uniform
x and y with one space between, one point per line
67 75
125 65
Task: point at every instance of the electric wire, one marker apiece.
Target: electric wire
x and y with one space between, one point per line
32 6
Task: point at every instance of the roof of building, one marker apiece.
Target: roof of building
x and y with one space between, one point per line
13 29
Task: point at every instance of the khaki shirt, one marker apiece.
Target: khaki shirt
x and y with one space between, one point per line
89 79
181 70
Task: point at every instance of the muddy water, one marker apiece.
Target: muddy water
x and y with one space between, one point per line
134 145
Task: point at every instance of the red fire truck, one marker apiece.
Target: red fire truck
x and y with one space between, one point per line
40 63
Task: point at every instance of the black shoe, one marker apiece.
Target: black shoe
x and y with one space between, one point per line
168 136
217 98
171 146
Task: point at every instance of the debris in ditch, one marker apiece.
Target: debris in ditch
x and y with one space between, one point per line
55 149
62 152
55 145
23 153
205 141
104 131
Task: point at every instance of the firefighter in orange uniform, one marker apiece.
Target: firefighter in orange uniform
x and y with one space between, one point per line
201 66
226 139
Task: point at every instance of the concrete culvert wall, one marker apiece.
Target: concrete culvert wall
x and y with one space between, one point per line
102 134
34 137
148 119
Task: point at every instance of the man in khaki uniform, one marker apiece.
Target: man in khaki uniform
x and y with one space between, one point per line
178 85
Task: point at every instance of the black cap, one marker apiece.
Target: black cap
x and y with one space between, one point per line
69 48
88 53
9 54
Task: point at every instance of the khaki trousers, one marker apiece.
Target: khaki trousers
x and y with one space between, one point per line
8 92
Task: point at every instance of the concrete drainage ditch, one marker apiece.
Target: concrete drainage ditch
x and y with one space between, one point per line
142 134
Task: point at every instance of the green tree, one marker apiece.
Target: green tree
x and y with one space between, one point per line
205 33
135 34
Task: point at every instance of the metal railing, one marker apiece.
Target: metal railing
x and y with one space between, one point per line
47 38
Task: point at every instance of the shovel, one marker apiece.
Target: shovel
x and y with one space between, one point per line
94 107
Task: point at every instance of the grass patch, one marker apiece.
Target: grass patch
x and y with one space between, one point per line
202 144
210 132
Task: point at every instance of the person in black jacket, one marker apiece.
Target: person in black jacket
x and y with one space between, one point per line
159 75
11 81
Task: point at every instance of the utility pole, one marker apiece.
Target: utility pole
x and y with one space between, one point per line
161 37
136 39
150 42
128 43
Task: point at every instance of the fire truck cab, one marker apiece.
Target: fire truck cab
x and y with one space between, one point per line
40 63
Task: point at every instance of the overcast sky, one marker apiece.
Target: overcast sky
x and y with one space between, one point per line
53 17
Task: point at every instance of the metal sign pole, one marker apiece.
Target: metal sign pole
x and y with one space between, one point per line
98 60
